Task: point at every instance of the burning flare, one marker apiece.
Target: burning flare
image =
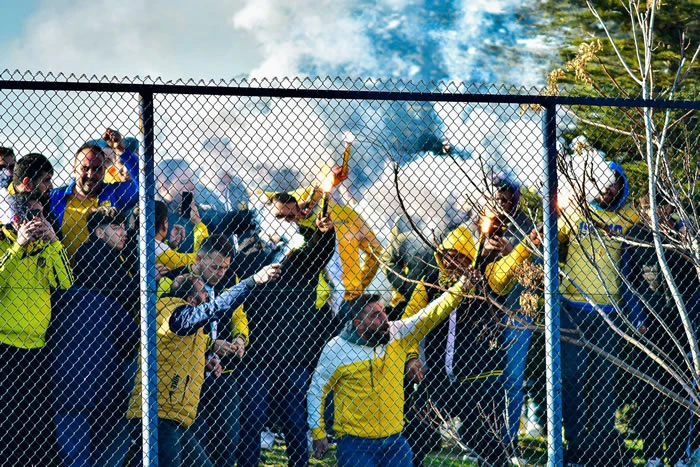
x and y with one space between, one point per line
486 222
327 184
326 187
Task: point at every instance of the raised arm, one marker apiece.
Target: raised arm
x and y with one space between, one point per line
187 319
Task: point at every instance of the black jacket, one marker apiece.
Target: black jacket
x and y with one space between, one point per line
477 346
644 272
286 328
100 268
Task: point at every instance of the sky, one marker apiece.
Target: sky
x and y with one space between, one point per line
158 38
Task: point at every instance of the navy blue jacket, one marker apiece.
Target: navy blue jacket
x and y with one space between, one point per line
89 339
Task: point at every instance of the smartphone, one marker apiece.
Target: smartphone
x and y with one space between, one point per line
186 204
32 214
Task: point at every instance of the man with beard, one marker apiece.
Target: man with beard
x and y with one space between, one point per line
72 203
364 366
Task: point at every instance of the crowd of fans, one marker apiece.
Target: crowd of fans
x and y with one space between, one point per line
280 330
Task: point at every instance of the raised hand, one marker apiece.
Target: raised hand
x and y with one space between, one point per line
269 273
324 224
28 231
114 140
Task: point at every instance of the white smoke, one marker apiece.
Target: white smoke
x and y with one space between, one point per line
587 173
330 35
276 142
436 190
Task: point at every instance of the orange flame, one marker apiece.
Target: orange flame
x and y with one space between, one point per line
487 219
327 184
486 222
563 200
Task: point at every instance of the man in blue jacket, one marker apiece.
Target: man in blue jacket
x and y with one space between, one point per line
71 203
91 341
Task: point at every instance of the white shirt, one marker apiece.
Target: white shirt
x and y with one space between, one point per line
7 206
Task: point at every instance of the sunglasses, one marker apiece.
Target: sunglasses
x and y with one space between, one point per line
286 217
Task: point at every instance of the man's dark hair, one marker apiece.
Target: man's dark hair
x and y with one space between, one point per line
104 215
32 166
282 197
92 147
161 210
4 152
183 286
217 244
357 306
23 202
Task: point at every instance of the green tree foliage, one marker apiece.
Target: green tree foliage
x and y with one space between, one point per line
593 68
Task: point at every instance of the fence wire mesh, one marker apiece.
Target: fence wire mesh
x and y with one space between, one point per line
303 246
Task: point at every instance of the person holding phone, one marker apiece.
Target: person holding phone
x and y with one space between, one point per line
32 262
175 184
176 189
167 240
32 173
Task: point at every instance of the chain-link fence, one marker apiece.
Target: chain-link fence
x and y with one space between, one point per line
255 273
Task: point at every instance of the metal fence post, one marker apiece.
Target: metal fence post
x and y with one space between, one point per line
551 285
147 260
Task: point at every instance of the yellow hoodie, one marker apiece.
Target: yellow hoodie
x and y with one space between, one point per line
181 362
26 276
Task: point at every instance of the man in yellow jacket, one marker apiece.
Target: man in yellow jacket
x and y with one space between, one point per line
217 423
592 242
166 253
364 366
182 346
32 261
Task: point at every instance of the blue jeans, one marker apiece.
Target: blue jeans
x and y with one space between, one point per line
516 342
285 390
176 445
392 451
588 383
85 436
217 426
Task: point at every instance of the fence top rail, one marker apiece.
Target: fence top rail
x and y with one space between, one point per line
491 94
